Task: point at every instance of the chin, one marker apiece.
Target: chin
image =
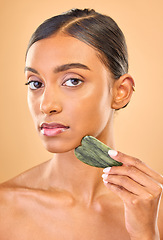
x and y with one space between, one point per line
60 146
57 150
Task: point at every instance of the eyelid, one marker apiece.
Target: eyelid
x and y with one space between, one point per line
73 74
72 78
33 81
28 82
32 78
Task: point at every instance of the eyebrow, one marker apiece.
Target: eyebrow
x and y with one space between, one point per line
65 67
30 70
61 68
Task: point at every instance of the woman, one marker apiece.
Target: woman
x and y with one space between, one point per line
77 77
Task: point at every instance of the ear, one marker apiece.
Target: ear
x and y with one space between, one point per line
122 91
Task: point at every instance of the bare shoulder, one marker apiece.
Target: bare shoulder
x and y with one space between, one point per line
30 179
19 198
13 190
21 190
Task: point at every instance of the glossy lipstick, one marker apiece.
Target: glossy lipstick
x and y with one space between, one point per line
52 129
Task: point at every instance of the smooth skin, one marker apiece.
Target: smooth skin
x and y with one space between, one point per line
64 198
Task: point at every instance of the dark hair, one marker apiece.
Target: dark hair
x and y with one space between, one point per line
99 31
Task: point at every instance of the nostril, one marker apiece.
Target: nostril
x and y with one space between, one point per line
53 111
50 107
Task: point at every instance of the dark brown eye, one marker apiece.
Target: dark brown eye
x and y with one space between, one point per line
35 85
73 82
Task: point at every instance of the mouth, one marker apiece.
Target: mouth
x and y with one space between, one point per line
52 129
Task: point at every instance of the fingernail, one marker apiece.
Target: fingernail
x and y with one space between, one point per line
104 176
107 170
105 181
112 153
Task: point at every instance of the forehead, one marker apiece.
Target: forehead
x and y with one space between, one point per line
62 49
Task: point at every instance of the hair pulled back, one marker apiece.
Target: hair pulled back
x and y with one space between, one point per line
95 29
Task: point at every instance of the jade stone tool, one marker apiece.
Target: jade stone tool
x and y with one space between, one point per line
95 153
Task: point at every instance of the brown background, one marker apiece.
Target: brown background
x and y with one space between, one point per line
138 128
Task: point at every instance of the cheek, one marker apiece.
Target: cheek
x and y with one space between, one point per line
91 112
33 106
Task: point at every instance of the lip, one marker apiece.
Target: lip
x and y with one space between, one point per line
52 129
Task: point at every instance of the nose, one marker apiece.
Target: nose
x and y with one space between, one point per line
50 102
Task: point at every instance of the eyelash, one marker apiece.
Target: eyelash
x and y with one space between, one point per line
64 84
70 79
32 81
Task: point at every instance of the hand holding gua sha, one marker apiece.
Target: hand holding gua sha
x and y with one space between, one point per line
95 153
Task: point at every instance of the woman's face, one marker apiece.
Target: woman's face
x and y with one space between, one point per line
68 92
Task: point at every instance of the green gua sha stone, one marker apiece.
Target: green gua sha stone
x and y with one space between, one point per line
95 153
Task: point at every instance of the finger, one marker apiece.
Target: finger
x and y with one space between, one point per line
125 195
131 161
130 198
137 176
126 183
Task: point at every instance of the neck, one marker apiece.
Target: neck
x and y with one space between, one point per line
68 173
